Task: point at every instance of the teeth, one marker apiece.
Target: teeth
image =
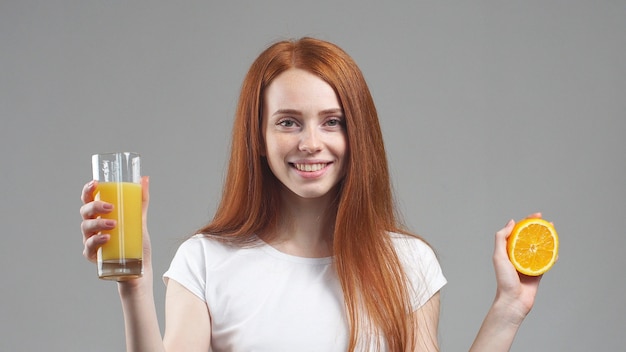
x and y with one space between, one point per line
309 167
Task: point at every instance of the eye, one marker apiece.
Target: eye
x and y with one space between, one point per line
286 123
334 122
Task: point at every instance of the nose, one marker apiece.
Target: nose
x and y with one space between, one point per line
310 141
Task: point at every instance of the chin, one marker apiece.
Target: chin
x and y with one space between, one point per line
316 193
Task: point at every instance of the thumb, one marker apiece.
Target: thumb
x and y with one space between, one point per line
145 194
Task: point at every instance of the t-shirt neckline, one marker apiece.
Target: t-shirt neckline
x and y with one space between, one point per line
269 249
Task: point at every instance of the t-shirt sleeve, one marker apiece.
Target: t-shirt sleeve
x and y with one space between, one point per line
188 267
422 269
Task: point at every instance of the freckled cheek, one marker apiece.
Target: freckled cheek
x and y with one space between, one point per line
286 143
277 148
341 148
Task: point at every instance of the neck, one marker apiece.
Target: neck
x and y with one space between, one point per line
305 227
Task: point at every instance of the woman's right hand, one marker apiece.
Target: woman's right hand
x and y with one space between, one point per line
95 229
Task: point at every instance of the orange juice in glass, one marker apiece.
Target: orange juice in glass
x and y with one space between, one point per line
119 183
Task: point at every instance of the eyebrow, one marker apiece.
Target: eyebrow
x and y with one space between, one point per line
297 112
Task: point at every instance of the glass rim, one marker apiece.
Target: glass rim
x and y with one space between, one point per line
133 154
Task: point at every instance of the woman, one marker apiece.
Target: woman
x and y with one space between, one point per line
305 251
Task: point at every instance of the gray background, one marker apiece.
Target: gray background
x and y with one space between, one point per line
491 110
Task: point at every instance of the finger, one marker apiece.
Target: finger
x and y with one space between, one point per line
537 215
505 272
95 208
91 227
145 200
145 192
532 280
88 189
92 244
499 252
504 232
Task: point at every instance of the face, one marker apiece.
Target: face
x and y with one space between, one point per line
304 133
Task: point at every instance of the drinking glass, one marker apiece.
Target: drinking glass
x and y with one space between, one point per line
119 183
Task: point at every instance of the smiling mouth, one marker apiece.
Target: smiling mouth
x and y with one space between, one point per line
310 167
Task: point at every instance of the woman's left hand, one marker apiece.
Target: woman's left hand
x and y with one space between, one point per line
515 290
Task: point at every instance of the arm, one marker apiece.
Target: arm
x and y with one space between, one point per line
515 296
140 317
142 326
427 320
188 326
187 320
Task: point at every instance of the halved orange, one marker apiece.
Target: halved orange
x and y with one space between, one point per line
533 246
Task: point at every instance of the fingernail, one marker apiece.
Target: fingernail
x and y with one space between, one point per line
109 223
107 206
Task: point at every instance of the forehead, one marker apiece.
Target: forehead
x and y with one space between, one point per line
299 89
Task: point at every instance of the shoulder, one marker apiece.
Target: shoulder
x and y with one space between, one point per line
411 246
414 252
421 266
199 243
198 256
207 248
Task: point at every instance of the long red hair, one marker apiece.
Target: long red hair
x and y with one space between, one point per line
374 284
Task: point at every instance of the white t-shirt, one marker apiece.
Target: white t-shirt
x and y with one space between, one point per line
261 299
